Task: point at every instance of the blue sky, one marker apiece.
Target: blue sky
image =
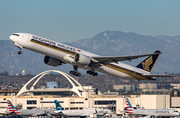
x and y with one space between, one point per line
71 20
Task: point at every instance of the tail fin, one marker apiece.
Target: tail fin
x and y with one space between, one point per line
11 108
58 106
129 106
149 62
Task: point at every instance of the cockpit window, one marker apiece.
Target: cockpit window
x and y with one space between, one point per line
175 111
16 34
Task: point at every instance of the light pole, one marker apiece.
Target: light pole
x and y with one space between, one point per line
11 92
42 98
88 84
163 86
112 105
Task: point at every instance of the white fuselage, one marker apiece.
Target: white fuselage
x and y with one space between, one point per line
64 52
156 112
84 112
35 112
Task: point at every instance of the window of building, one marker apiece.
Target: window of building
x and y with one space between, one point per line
175 107
76 102
79 102
105 102
74 108
31 107
31 102
51 102
3 107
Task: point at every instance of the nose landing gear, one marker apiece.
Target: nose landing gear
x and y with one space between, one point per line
19 52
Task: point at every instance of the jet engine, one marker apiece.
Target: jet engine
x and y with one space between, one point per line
82 59
52 61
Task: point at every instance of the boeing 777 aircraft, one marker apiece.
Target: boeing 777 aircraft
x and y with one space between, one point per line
33 112
80 113
151 112
57 54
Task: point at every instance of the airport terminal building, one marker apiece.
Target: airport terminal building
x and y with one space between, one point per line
82 97
114 102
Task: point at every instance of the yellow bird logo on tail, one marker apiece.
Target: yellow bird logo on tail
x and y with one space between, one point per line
147 63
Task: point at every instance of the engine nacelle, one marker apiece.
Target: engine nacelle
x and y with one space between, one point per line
82 59
52 61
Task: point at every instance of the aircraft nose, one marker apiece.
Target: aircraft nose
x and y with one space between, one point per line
13 38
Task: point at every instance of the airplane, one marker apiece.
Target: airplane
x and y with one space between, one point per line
80 113
3 112
33 112
57 54
152 113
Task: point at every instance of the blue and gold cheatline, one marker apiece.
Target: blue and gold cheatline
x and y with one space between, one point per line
134 74
53 45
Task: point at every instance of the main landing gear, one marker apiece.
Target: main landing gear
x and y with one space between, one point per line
91 72
75 72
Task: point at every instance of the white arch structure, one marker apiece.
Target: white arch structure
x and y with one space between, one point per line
75 89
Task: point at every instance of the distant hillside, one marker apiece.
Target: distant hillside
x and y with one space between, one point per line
109 43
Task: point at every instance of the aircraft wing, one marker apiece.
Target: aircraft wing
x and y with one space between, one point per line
41 113
83 115
156 75
119 58
87 113
37 114
59 111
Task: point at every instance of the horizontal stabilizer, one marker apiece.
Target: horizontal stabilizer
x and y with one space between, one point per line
154 75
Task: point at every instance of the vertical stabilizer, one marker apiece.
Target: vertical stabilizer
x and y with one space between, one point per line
129 106
58 106
149 62
11 108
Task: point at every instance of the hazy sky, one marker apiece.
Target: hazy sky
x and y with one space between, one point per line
71 20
